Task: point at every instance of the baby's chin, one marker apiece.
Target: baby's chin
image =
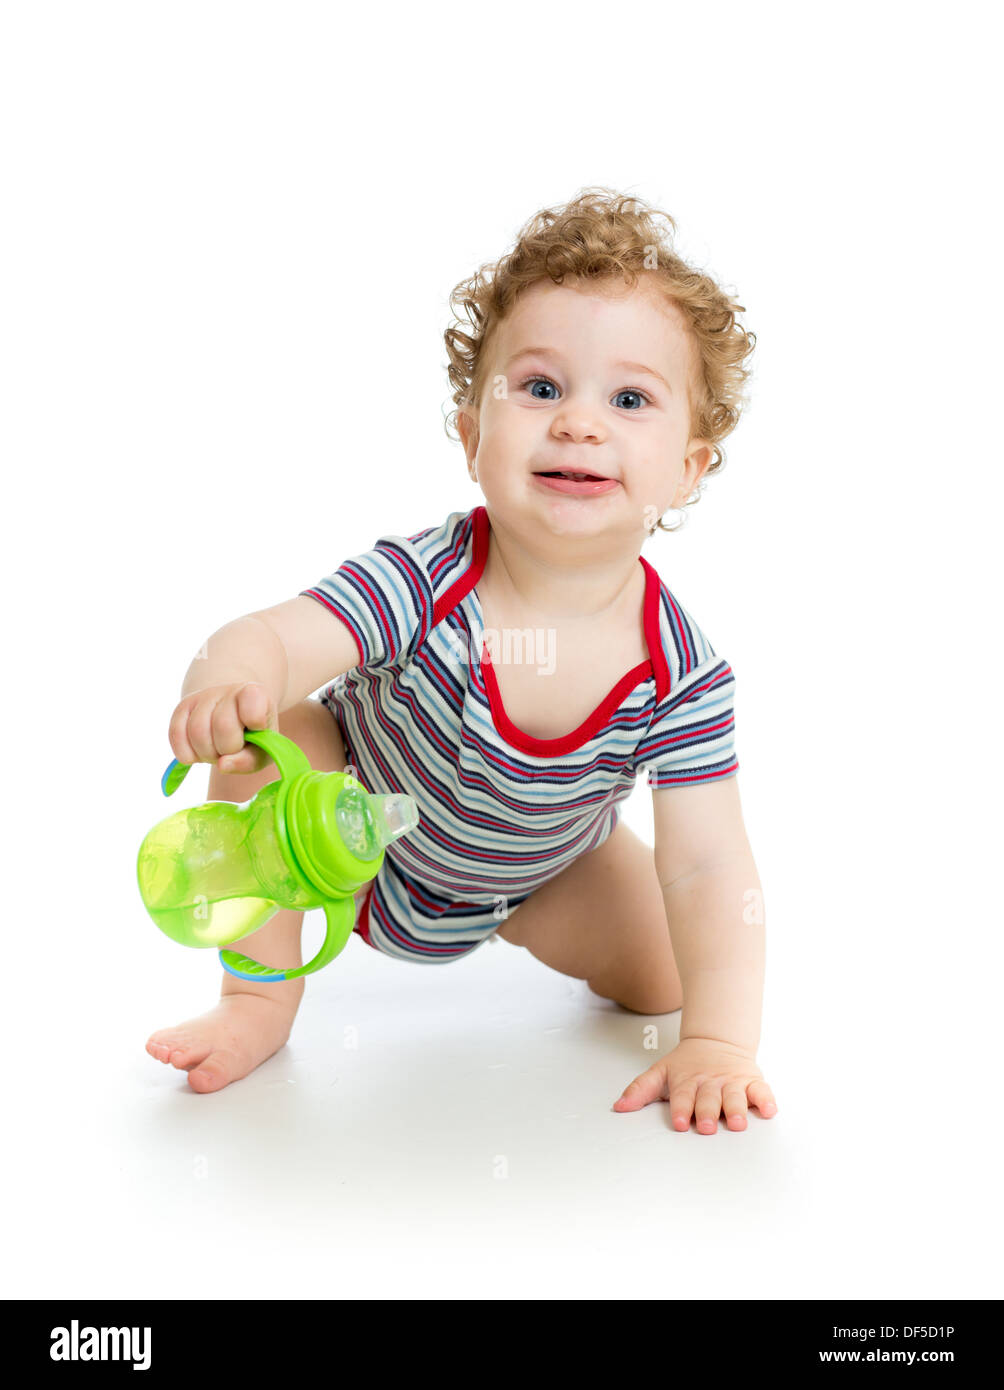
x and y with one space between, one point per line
550 513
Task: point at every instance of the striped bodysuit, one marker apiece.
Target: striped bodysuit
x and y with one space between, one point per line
501 812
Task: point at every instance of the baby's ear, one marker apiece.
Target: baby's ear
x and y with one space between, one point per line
700 457
467 428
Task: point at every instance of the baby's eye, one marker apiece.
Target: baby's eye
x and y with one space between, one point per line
637 395
538 381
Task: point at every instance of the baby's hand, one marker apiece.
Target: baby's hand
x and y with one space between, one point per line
208 726
706 1076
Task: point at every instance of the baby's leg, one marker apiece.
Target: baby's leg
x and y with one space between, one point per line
603 920
252 1020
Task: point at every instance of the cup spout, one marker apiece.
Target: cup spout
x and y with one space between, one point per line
393 815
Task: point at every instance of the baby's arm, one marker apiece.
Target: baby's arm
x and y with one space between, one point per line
713 898
714 910
249 672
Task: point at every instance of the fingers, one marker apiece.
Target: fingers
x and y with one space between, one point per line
762 1097
651 1085
713 1098
226 729
209 725
704 1101
249 759
199 723
708 1107
177 734
734 1106
681 1103
249 709
254 708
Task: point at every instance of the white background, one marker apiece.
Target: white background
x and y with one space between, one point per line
230 235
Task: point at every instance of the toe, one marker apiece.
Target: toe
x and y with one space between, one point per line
216 1071
160 1045
181 1049
186 1053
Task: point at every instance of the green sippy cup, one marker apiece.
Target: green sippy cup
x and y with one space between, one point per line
215 873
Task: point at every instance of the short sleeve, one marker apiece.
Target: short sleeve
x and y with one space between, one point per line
692 735
384 597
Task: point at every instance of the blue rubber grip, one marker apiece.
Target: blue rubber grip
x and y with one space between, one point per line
269 978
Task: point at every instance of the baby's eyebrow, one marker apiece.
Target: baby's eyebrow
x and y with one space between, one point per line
553 352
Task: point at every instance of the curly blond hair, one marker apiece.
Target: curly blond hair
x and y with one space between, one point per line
603 236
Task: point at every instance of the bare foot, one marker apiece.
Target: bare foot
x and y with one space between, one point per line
221 1046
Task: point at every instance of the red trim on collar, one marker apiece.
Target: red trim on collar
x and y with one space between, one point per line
656 665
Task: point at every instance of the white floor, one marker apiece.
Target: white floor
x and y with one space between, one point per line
447 1133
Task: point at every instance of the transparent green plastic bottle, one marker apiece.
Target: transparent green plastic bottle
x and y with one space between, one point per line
215 873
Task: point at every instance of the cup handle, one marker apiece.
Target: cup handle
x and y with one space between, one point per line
340 914
282 750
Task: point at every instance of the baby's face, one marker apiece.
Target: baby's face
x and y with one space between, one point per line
558 397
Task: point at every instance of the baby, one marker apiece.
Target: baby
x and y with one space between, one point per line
515 667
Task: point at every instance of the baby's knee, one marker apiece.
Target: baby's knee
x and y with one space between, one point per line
314 730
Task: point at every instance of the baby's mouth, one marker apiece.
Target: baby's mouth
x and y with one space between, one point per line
575 477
